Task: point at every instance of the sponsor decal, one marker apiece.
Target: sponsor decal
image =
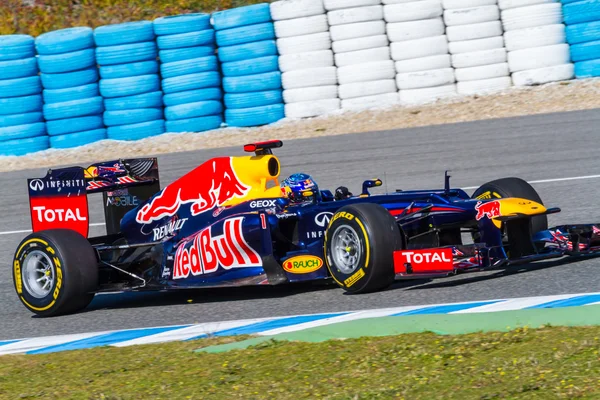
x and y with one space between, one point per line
424 260
166 272
37 185
304 264
18 281
218 211
314 234
169 229
489 209
286 215
126 200
354 278
206 187
58 214
343 214
322 219
209 252
262 203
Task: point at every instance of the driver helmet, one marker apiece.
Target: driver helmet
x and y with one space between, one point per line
295 186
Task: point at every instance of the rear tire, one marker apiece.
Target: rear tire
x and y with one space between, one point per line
55 272
359 247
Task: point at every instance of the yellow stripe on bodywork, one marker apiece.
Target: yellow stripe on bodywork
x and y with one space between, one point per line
514 206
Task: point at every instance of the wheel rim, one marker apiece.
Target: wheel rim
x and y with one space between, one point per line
38 274
346 249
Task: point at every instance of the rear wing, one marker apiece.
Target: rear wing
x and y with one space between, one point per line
60 199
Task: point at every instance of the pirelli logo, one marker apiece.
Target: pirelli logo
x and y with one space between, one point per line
354 278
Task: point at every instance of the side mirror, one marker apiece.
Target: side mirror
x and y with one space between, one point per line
369 183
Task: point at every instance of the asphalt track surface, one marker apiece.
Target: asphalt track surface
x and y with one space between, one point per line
544 147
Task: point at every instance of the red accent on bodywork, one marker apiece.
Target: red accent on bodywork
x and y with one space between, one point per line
433 209
424 261
60 212
489 209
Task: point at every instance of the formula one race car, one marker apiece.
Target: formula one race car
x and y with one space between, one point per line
229 222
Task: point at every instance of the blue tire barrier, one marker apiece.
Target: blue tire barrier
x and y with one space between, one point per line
191 66
199 124
241 16
252 83
128 32
16 47
67 62
121 87
77 139
128 117
190 39
20 87
245 34
69 79
581 11
585 51
136 131
255 99
20 147
72 125
69 94
190 82
248 50
581 33
184 23
21 119
250 67
126 53
145 100
18 68
174 55
193 96
193 110
255 116
65 41
22 131
20 105
587 69
75 108
127 70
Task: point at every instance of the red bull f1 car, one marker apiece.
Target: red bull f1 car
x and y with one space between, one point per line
228 222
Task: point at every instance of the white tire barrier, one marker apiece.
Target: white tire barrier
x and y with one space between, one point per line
427 95
484 86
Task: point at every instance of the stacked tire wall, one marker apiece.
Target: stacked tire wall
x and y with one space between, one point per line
583 35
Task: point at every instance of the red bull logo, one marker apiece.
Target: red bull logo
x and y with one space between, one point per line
208 252
489 209
206 187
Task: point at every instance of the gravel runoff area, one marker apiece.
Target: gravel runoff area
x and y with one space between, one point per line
554 97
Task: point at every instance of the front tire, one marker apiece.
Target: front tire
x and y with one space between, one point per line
55 272
359 247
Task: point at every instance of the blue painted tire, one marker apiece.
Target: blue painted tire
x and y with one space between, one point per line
241 16
191 82
255 116
135 116
585 51
126 53
128 32
69 94
251 67
581 33
21 105
77 139
245 34
252 83
200 124
569 1
183 23
581 11
22 131
136 131
127 70
65 41
72 109
18 68
587 69
145 100
16 47
183 40
21 119
20 147
191 66
130 86
169 56
247 51
70 79
72 125
67 62
193 96
20 87
255 99
193 110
